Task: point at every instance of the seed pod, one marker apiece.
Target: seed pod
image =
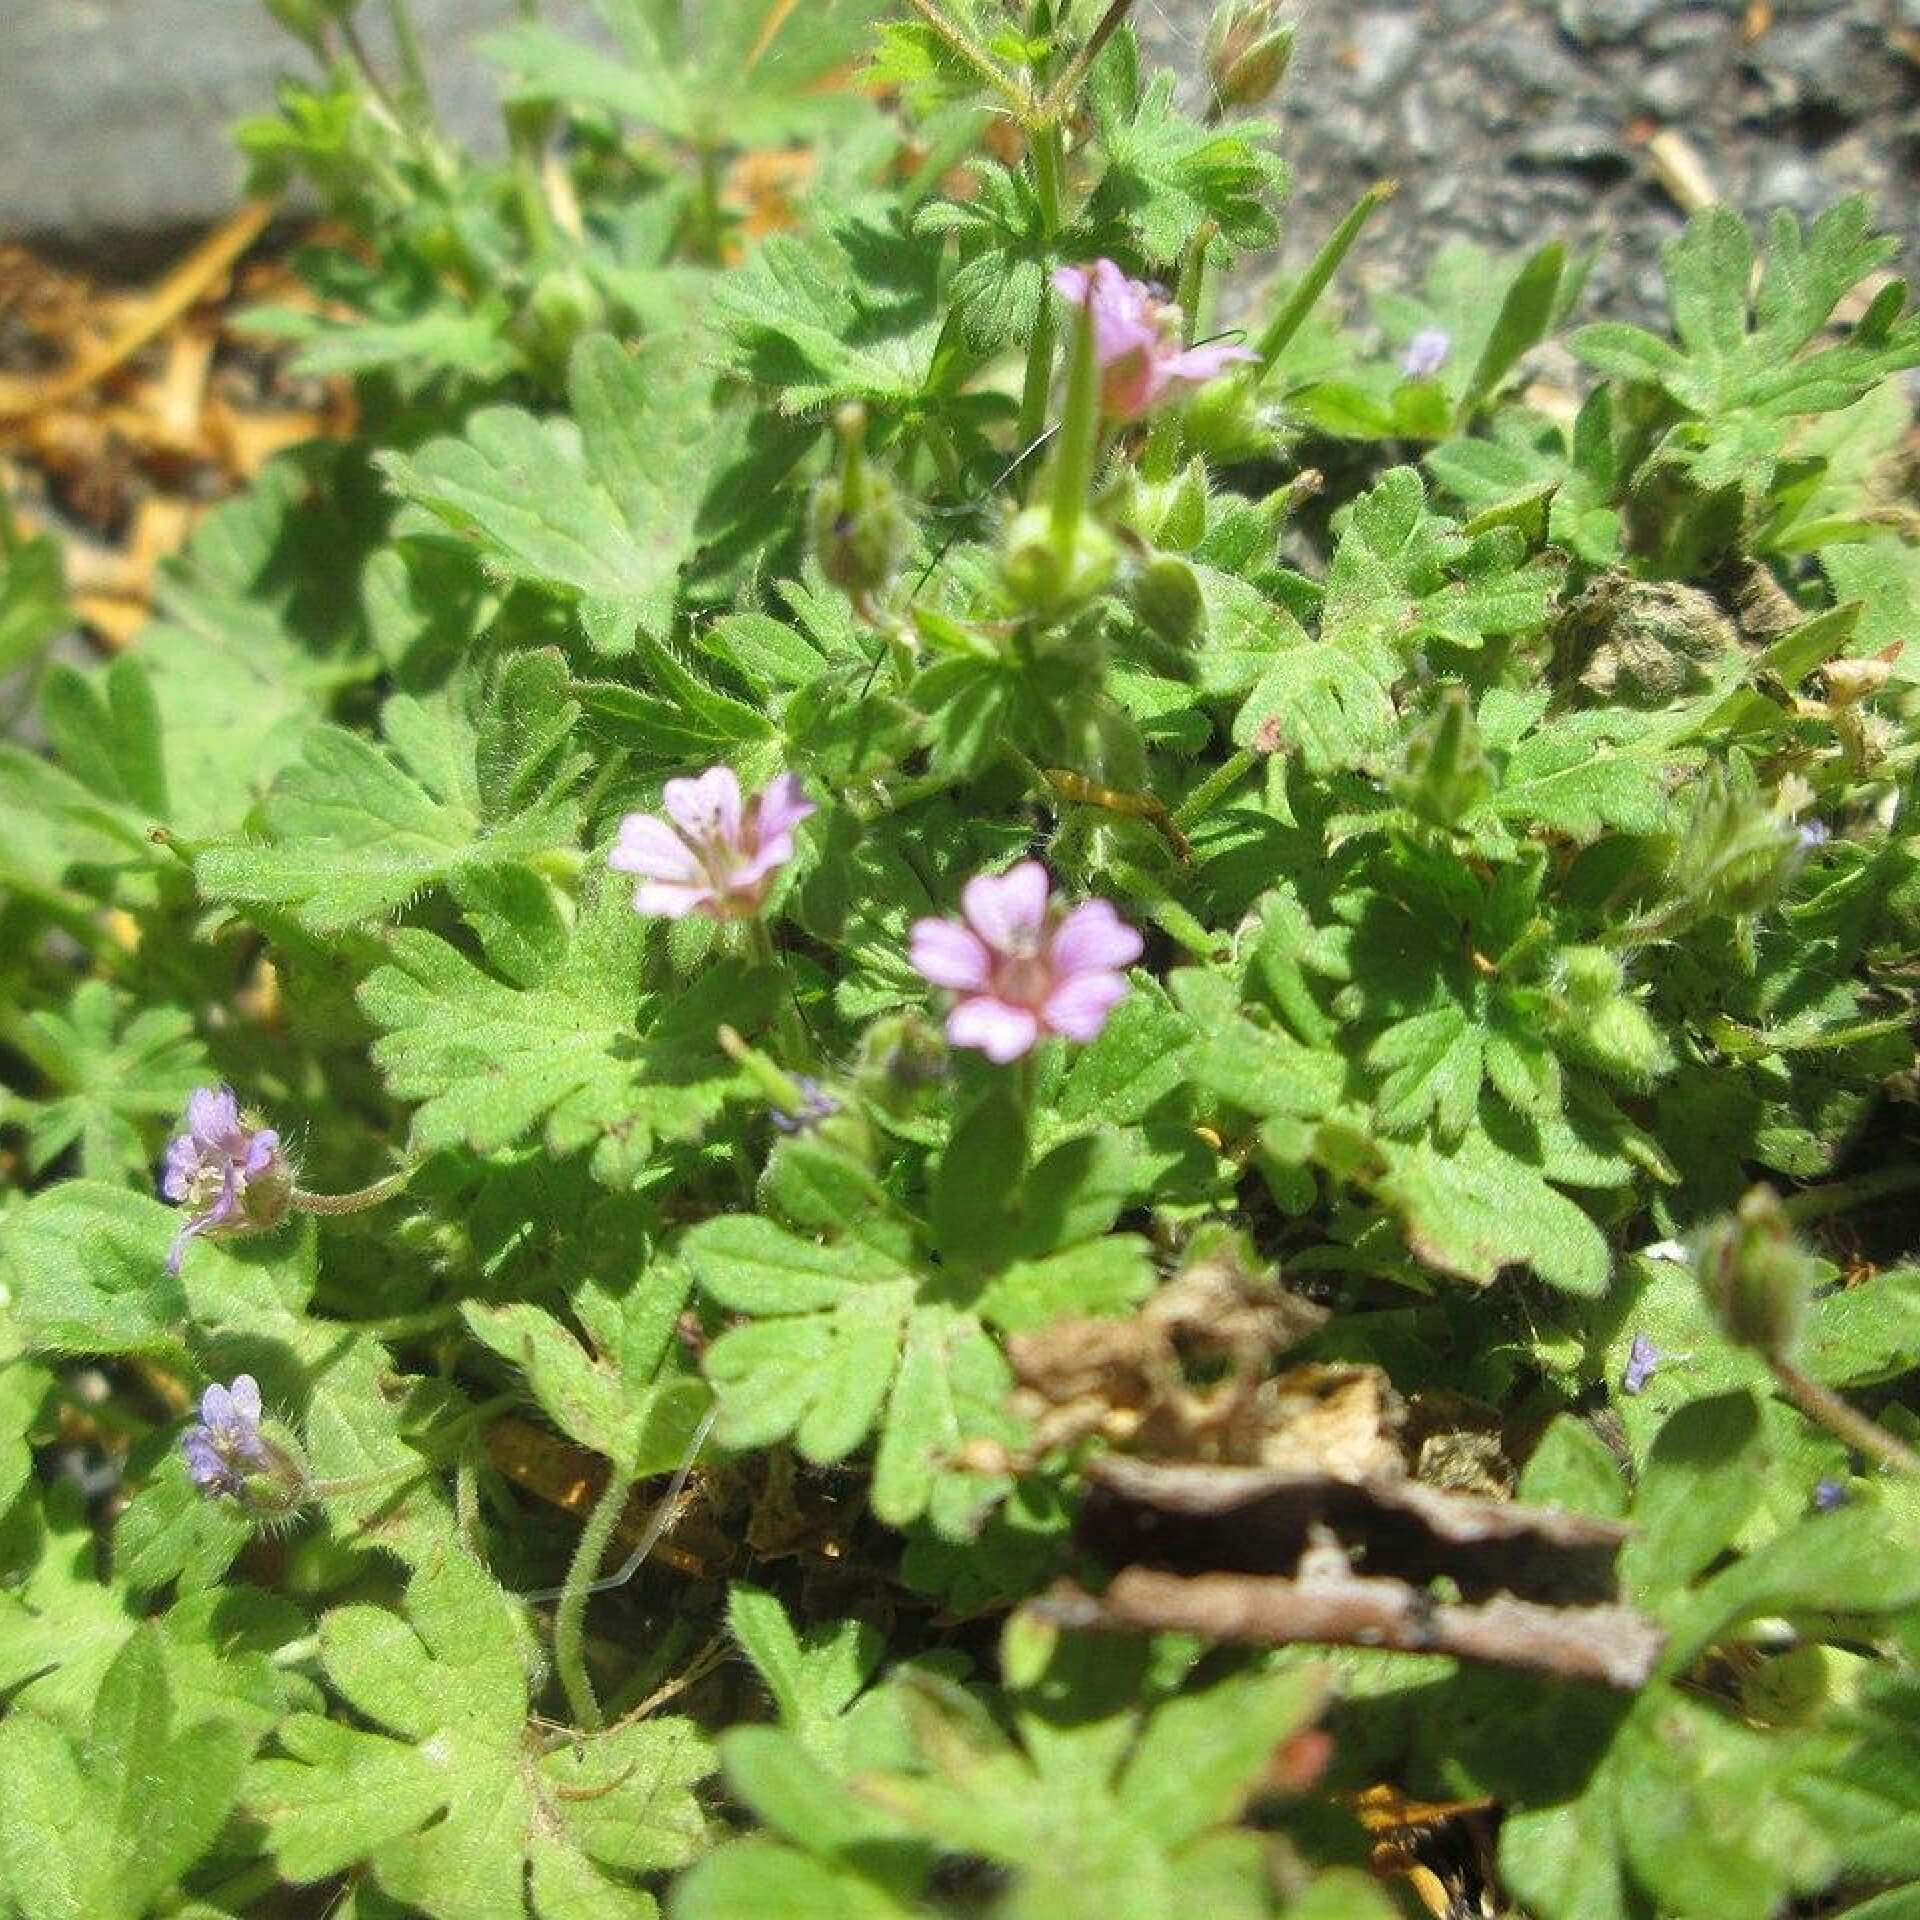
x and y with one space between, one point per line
1755 1275
1247 52
860 532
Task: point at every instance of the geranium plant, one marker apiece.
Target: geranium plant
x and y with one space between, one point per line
937 1062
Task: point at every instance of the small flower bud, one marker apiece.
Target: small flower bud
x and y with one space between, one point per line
1591 975
1049 577
1734 853
860 532
1620 1038
306 20
563 305
1166 596
1755 1275
1224 422
901 1059
1247 52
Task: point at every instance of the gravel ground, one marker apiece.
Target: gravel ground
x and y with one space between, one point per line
1507 121
1503 119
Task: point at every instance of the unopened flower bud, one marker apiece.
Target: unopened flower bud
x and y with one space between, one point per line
306 20
902 1059
1754 1275
1620 1038
1223 421
1247 52
1590 975
1048 576
563 305
860 532
1166 596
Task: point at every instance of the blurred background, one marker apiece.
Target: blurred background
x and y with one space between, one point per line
128 403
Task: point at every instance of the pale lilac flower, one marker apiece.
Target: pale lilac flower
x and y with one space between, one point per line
1813 835
1021 970
712 853
227 1444
1642 1358
1426 353
231 1175
816 1105
1829 1495
1136 340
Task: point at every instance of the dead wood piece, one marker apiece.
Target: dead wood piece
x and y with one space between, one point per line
1610 1644
1260 1520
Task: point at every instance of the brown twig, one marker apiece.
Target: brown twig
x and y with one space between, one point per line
1334 1607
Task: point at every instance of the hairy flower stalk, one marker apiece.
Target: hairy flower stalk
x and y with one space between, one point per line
232 1174
1020 969
713 853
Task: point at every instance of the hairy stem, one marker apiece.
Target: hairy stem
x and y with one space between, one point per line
1841 1196
977 57
1845 1422
569 1619
358 1201
1059 101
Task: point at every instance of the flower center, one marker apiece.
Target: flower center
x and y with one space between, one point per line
1023 979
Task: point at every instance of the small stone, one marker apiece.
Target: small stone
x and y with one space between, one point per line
1384 45
1676 89
1580 144
1604 23
1689 31
1792 181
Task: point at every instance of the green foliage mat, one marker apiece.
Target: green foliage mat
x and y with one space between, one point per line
688 1333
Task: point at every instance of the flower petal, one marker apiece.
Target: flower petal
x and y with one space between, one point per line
706 809
263 1149
779 810
1078 1008
1008 910
216 1406
646 845
1092 938
205 1468
949 955
1203 363
244 1396
183 1162
1072 283
671 899
212 1113
999 1031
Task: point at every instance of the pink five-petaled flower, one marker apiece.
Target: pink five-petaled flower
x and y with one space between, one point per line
712 854
231 1176
1020 970
1136 341
227 1444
